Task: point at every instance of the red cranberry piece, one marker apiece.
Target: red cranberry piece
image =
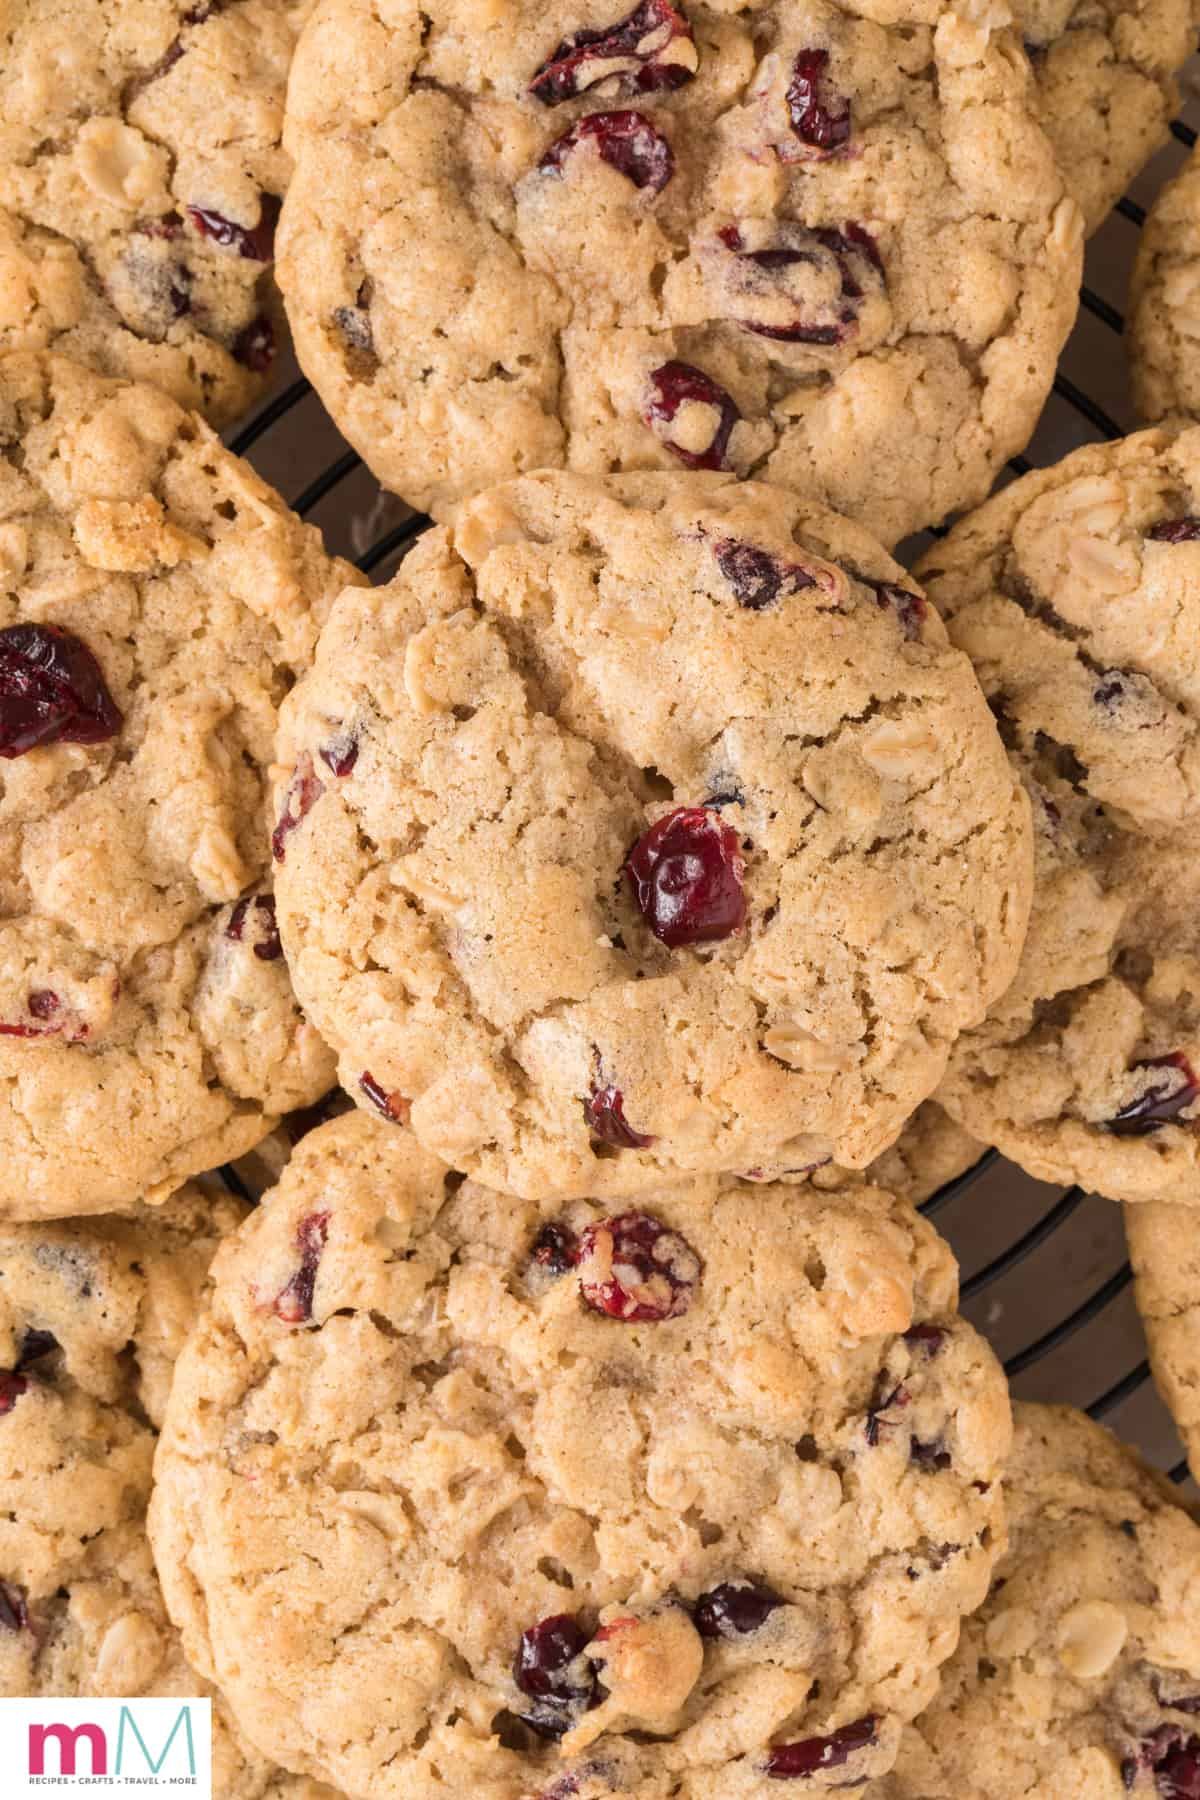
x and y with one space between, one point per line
677 384
340 754
908 607
44 1003
1173 1758
757 578
651 1270
551 1669
1177 1776
304 790
886 1400
12 1386
393 1106
14 1612
851 254
555 1249
686 874
604 1114
1161 1101
637 41
257 241
626 141
52 691
293 1302
1176 531
787 1762
931 1337
254 346
820 118
259 911
735 1609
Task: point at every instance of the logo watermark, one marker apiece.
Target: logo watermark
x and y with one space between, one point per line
122 1746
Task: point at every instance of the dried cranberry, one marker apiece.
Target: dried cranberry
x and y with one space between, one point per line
1176 531
304 790
294 1302
1172 1756
626 141
393 1106
264 932
14 1612
556 1249
12 1386
850 255
604 1115
932 1337
787 1762
820 119
735 1609
651 1270
254 346
44 1003
908 607
629 53
52 691
551 1669
757 578
1161 1101
886 1399
340 754
677 384
257 241
686 874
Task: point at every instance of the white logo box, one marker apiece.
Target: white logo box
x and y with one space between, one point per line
77 1747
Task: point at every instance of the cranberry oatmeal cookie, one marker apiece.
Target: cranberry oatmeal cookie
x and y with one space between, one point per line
1164 302
520 237
141 176
1164 1248
1105 73
461 1498
1076 592
644 826
157 597
1079 1677
91 1316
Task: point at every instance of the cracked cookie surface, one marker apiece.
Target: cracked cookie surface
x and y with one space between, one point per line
92 1314
561 1503
1163 327
644 826
1076 593
1165 1255
1079 1677
141 175
1105 73
157 599
521 238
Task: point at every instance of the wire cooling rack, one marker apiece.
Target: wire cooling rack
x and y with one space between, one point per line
1045 1272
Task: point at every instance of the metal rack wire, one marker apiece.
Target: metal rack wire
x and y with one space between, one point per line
1041 1279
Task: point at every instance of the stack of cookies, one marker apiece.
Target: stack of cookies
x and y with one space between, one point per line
470 1044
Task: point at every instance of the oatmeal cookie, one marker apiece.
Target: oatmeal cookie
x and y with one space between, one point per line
462 1496
141 176
524 237
644 826
157 599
